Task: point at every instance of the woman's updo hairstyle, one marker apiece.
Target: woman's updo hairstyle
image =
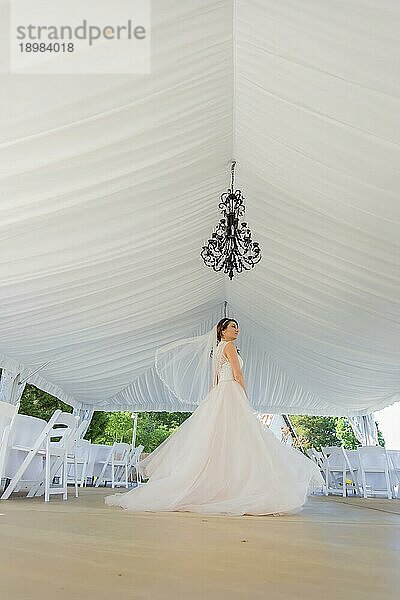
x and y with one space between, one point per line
222 325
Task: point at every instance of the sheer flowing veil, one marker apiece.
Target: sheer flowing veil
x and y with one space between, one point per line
187 366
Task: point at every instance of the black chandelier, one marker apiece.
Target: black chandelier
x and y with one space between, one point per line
231 248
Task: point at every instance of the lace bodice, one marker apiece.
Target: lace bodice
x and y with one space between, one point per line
223 366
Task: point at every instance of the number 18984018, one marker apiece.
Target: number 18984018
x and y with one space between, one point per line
46 47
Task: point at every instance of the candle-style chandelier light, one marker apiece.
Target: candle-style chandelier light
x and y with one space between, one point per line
231 248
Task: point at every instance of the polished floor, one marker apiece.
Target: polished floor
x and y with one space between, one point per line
81 550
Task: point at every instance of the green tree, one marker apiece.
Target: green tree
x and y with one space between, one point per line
152 427
381 439
315 432
37 403
171 420
151 432
118 428
97 426
327 431
345 434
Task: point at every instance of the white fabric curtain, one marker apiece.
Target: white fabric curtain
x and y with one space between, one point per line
108 193
84 412
365 429
11 388
317 140
111 184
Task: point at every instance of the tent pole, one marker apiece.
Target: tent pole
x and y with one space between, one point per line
292 430
134 417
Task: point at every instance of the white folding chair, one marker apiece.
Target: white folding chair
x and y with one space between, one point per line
394 465
78 456
27 450
375 471
117 464
353 471
134 460
319 459
60 440
104 463
23 436
78 462
335 470
99 455
93 468
7 416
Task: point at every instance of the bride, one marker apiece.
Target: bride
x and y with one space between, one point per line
220 460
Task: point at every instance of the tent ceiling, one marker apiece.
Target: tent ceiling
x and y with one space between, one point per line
110 186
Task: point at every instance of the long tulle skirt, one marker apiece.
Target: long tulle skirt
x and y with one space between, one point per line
222 461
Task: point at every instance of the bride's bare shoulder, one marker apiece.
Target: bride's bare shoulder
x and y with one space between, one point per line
229 349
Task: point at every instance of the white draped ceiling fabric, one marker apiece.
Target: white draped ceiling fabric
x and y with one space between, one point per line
110 186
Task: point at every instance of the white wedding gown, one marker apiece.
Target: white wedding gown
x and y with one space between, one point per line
221 460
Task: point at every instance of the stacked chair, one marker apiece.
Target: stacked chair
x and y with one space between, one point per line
338 472
24 462
376 476
394 464
78 463
37 454
41 458
118 467
8 413
367 471
134 464
115 466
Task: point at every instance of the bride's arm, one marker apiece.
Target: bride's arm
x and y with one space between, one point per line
231 353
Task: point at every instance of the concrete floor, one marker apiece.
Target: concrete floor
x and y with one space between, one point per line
335 548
